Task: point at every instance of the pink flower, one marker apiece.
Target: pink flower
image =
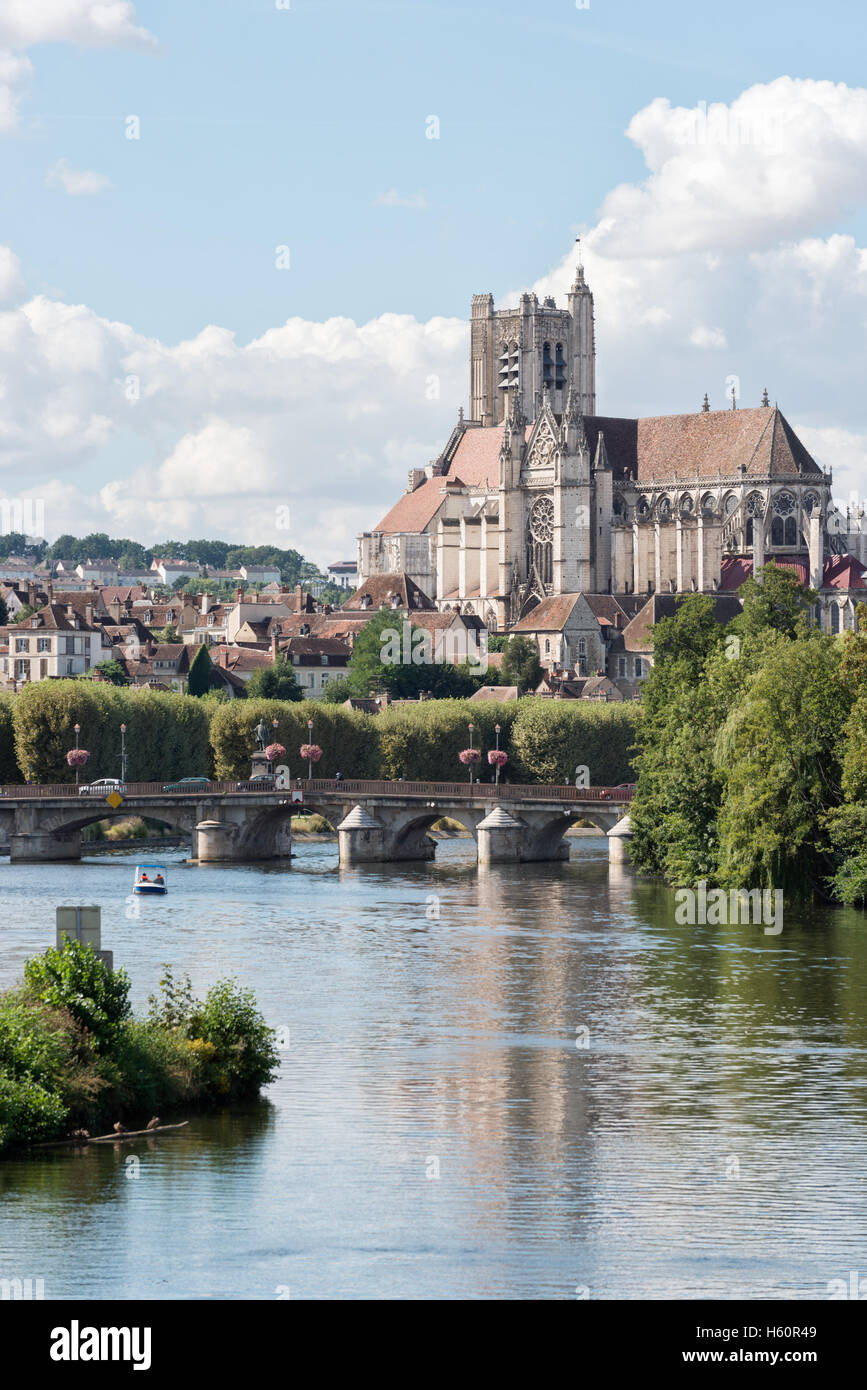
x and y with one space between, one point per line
497 758
470 755
275 751
310 752
77 757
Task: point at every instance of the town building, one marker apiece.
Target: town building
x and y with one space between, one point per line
535 497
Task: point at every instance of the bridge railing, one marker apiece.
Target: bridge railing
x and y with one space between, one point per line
349 787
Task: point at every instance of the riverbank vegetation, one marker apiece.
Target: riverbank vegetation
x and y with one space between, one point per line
171 736
73 1057
751 768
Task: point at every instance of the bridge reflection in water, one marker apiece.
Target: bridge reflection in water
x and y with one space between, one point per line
376 821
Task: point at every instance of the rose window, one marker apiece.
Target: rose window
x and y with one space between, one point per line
542 519
784 503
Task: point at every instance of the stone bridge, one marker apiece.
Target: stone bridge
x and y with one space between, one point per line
376 821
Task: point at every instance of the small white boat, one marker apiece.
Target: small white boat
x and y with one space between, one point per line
150 879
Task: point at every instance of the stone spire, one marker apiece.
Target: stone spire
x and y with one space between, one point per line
600 461
705 405
765 401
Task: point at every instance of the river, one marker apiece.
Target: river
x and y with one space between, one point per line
521 1083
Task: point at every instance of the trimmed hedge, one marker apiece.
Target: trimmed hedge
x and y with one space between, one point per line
553 737
9 769
167 734
172 736
348 739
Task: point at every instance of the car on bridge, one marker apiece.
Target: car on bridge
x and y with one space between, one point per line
103 787
188 784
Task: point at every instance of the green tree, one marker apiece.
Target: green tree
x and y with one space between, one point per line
111 670
199 679
275 682
521 665
774 601
4 613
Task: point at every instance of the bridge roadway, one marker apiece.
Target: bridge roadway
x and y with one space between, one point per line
376 821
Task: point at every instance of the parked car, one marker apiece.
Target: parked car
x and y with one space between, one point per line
187 784
103 787
257 783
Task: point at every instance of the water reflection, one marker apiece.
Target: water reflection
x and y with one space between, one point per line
503 1082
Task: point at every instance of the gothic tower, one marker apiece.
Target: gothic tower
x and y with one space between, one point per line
533 349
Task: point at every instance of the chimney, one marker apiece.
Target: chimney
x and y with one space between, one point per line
274 652
88 614
239 595
206 604
32 591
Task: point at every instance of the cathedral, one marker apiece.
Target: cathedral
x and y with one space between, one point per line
537 504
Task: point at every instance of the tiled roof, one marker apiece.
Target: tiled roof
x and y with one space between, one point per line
637 634
495 692
53 618
838 572
380 588
551 615
705 445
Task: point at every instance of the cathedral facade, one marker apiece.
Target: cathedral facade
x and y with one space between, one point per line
536 496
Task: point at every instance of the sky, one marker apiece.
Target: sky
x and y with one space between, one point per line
239 238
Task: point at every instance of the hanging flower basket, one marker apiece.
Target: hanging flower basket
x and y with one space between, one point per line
77 757
275 751
469 756
310 752
497 758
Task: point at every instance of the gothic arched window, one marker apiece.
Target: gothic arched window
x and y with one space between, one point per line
777 531
790 531
559 367
540 546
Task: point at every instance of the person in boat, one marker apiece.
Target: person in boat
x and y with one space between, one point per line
144 879
159 879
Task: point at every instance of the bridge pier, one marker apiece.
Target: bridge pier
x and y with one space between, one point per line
619 839
43 847
498 838
237 842
383 836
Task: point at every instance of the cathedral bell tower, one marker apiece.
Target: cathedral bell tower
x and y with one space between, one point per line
535 350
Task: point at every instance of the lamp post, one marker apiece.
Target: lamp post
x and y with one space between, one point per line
309 740
471 727
77 732
497 769
123 752
275 724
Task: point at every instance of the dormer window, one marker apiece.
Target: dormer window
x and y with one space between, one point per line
34 622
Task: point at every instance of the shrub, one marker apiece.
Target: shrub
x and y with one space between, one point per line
74 978
9 769
553 737
28 1112
348 739
246 1057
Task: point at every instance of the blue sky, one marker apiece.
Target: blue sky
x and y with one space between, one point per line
305 127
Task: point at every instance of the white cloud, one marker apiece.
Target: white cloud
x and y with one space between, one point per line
10 274
90 23
393 199
15 73
707 338
95 23
76 182
744 175
714 267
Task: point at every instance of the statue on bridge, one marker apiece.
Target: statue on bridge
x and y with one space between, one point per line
261 736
